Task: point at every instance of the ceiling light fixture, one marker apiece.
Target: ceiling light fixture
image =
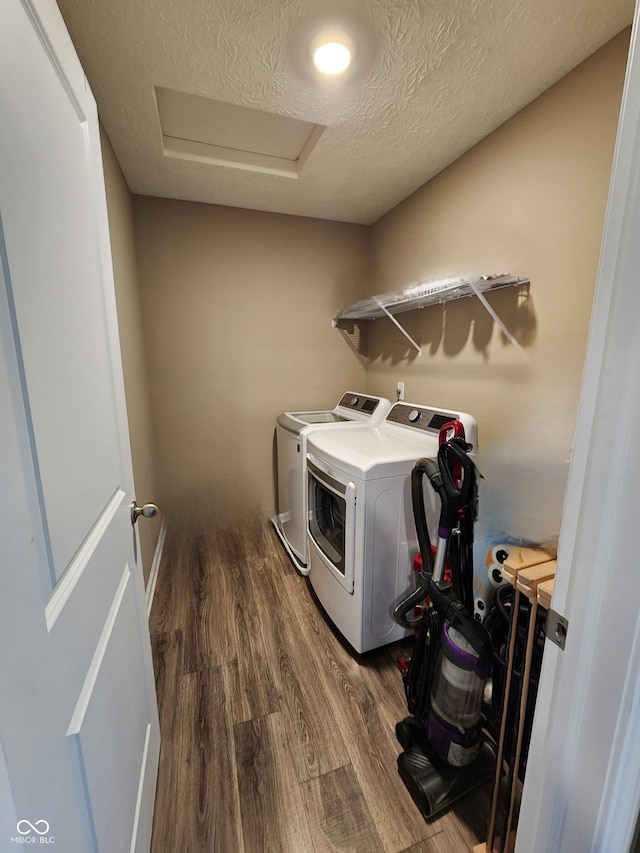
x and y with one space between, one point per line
332 58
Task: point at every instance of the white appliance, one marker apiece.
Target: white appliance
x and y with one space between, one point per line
292 431
361 529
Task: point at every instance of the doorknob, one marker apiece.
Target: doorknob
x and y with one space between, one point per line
147 511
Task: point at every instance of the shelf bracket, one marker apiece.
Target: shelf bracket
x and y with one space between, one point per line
492 313
395 322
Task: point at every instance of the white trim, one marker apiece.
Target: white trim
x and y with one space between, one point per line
8 817
75 570
617 823
141 791
155 568
585 747
93 672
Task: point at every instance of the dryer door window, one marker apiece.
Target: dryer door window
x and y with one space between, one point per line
331 520
328 523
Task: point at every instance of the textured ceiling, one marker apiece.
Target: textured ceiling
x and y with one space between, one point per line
430 78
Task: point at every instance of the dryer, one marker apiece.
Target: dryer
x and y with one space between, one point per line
361 531
292 431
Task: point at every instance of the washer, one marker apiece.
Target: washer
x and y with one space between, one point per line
292 431
361 531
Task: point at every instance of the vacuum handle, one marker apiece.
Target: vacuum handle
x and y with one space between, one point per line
456 428
453 429
456 470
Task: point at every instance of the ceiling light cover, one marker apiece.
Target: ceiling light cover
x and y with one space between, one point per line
332 58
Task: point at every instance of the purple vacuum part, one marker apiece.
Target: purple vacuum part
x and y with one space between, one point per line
465 660
453 721
454 747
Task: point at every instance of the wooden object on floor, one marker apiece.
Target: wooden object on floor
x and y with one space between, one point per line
520 559
545 592
274 736
528 580
526 573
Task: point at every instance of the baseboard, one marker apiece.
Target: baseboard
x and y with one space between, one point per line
155 568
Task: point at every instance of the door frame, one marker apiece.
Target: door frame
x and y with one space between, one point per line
18 491
585 746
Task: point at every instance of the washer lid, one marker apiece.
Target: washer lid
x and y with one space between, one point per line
352 407
370 453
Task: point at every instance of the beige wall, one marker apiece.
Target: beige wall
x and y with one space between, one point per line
237 307
529 199
134 362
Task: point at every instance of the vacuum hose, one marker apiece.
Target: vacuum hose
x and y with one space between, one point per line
452 476
459 498
431 469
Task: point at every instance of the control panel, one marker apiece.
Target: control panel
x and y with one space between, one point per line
419 417
359 403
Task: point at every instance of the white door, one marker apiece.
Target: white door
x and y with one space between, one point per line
582 789
78 716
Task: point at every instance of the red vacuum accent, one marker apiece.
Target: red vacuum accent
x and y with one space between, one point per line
402 665
417 565
453 429
456 428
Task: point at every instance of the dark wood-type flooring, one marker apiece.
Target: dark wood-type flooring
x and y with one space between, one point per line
274 737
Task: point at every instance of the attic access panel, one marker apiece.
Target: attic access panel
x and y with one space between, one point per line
209 131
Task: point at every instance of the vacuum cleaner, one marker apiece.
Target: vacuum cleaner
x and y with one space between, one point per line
445 752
